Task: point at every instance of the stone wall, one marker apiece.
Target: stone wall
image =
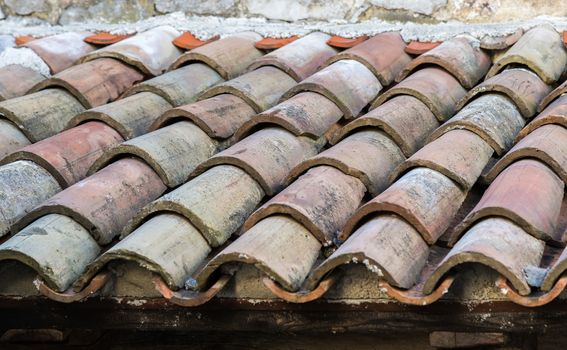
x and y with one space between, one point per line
425 11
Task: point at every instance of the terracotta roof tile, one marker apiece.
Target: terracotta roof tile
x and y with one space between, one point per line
17 80
274 43
345 43
188 41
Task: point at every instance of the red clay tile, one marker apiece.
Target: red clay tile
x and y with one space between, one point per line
541 49
421 47
16 80
404 118
552 96
301 296
274 43
352 156
11 138
219 116
348 83
188 41
103 203
267 155
458 154
300 58
500 42
439 90
493 117
215 55
554 113
522 86
383 54
512 195
459 56
305 114
322 200
151 51
340 42
22 39
105 38
61 51
534 299
96 82
260 88
68 155
425 198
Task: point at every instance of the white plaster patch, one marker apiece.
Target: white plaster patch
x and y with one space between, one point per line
24 57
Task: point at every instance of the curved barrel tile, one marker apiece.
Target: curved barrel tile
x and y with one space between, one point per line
547 144
500 42
131 116
556 273
180 86
460 56
436 88
305 114
278 246
16 80
555 113
173 151
387 245
493 117
322 200
300 58
513 194
69 155
104 202
219 116
522 86
425 198
383 54
348 83
541 49
352 155
458 154
229 56
405 119
41 114
498 244
15 180
261 88
152 51
216 202
11 138
94 83
267 155
55 246
552 96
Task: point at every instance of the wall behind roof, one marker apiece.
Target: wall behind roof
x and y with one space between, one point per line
424 11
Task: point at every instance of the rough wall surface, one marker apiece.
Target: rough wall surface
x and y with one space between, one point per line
428 11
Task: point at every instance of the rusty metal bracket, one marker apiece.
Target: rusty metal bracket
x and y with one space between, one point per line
190 298
414 296
534 299
71 295
301 296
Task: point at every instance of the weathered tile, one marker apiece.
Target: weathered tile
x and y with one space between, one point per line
219 116
522 86
498 244
16 80
55 246
540 49
458 154
547 144
555 273
229 56
152 51
404 118
94 83
41 114
512 195
299 59
15 180
61 51
425 198
352 156
261 88
278 246
180 86
383 54
103 203
11 138
552 96
216 202
69 155
500 42
305 114
554 113
387 245
131 116
493 117
460 56
436 88
173 151
348 83
322 200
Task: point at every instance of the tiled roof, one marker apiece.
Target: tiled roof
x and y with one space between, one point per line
307 173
